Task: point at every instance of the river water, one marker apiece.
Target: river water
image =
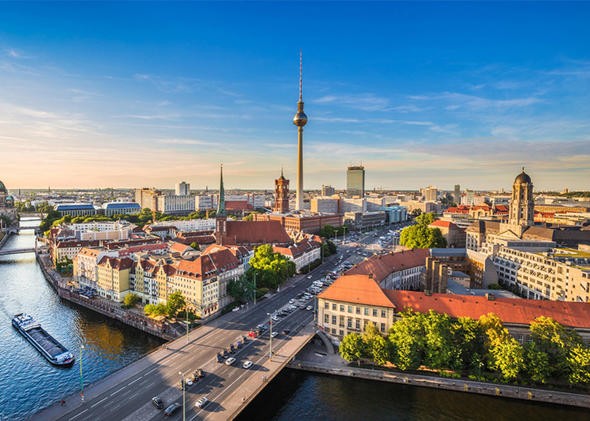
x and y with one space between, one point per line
27 381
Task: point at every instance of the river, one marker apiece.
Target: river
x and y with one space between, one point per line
27 381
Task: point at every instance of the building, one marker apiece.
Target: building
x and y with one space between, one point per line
355 181
204 202
352 301
113 277
175 205
147 198
76 209
362 220
430 194
308 223
121 208
401 270
303 253
457 194
85 265
321 204
182 189
281 195
453 235
8 214
327 190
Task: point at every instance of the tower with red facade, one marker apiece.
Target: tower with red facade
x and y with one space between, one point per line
281 194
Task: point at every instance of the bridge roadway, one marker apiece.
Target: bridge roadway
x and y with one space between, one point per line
16 251
127 393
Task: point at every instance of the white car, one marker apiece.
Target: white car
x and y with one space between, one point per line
247 364
189 382
230 361
309 308
202 402
274 334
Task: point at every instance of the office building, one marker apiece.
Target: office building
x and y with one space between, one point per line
355 181
182 189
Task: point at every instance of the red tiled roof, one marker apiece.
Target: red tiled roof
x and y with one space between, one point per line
237 205
299 249
116 263
509 310
176 247
383 265
255 232
442 224
359 289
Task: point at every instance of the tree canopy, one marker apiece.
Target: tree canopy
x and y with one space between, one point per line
421 235
271 269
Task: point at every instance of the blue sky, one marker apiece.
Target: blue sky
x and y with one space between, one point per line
148 94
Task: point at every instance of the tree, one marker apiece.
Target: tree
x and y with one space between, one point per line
380 350
407 339
176 301
578 362
556 341
130 300
271 269
440 349
241 289
468 336
537 366
421 235
504 353
327 231
155 309
352 347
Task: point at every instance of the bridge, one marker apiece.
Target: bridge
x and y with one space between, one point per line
127 393
16 251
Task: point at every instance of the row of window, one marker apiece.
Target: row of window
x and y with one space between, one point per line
355 309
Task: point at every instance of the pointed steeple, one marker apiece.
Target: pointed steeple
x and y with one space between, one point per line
221 201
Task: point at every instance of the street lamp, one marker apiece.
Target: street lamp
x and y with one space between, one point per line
183 396
81 374
270 336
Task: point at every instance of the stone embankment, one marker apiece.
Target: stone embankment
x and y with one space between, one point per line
102 306
507 391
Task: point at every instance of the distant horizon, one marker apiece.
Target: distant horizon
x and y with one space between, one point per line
442 93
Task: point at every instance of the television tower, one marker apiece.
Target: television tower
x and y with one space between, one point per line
300 120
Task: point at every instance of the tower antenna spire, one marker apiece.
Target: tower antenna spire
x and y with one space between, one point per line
300 76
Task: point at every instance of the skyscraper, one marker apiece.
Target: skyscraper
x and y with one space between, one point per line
355 181
182 189
300 120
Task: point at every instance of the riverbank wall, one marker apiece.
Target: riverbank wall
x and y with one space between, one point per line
458 385
104 307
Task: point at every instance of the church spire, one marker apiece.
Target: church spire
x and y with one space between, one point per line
221 201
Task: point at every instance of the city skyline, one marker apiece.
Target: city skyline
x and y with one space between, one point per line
134 95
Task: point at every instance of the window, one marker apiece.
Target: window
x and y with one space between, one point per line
342 307
358 310
326 318
366 311
349 323
333 306
383 313
326 305
374 312
333 320
350 309
341 332
358 324
382 327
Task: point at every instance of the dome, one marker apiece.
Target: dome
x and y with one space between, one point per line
10 201
3 188
522 178
300 119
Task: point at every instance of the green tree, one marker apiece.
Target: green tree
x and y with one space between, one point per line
503 352
380 350
407 340
440 348
130 300
556 341
468 337
176 302
578 362
537 366
271 269
352 347
421 235
327 231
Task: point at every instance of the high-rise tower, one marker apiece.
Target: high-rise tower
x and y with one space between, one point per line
221 201
281 194
300 120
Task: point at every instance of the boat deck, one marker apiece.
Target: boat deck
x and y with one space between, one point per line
47 342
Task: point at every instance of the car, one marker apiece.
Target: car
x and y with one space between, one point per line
157 402
202 402
230 361
286 331
172 409
189 382
247 364
309 277
309 308
275 333
235 309
291 301
275 318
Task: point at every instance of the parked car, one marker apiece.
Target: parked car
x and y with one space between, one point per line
275 333
230 361
247 364
172 409
157 402
309 308
202 402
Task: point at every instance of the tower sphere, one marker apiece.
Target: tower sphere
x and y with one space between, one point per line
522 178
300 119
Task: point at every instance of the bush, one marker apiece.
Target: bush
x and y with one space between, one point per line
130 300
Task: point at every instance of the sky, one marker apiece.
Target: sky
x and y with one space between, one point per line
137 94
